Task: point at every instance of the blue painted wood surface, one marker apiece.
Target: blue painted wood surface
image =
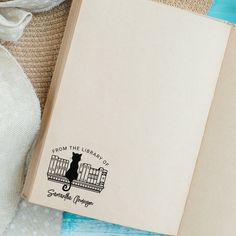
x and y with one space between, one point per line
223 9
74 225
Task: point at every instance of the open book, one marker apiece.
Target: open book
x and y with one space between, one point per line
140 124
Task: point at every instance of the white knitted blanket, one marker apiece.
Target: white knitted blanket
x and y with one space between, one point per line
19 123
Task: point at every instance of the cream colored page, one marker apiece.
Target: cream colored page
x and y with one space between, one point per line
137 88
211 208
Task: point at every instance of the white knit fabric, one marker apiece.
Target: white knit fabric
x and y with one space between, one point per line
14 17
32 5
12 23
33 220
19 123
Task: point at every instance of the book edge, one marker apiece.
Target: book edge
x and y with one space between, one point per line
52 95
222 63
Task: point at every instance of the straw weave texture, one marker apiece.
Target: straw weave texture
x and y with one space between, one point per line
37 50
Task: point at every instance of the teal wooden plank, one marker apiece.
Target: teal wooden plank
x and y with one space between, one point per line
75 225
224 9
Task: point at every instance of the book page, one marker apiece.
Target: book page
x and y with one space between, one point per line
130 113
211 207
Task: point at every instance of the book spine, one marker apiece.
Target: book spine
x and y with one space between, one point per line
87 172
65 167
80 171
103 178
84 171
50 168
100 170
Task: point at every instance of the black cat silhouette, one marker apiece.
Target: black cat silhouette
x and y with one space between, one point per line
72 173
